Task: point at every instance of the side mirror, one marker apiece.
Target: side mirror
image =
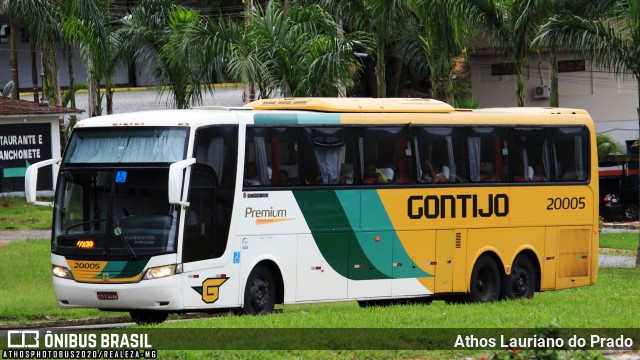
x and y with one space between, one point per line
31 182
176 179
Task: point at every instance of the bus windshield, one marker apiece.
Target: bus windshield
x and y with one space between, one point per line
127 145
119 213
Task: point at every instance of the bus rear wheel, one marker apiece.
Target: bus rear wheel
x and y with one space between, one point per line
260 292
521 283
485 280
148 316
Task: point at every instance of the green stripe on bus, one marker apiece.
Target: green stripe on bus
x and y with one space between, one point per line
334 235
296 119
334 218
123 269
387 250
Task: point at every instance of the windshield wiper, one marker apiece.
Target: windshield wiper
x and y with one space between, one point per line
118 231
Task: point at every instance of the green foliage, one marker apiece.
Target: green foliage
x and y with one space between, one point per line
468 103
607 145
605 31
299 52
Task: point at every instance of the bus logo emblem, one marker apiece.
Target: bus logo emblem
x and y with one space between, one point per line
105 276
210 289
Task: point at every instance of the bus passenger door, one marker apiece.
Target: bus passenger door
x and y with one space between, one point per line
321 277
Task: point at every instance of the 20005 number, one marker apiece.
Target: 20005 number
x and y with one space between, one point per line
91 266
566 203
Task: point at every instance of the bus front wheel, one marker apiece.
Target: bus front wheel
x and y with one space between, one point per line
260 292
148 316
485 280
521 283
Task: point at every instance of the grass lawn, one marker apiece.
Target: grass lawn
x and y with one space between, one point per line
620 240
16 214
26 295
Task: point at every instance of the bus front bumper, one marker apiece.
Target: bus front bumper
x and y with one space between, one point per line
156 294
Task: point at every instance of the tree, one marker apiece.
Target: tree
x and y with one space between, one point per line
442 40
299 52
41 20
607 145
385 21
151 33
15 94
608 33
511 24
90 26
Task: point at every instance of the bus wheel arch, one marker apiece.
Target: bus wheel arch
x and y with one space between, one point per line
485 279
524 278
263 289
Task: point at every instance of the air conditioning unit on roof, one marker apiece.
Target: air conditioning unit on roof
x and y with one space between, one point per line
541 92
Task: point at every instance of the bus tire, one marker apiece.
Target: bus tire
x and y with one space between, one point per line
521 283
143 317
260 292
485 281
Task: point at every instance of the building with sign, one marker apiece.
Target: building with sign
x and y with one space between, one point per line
29 133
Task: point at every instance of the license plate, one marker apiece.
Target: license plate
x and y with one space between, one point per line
107 295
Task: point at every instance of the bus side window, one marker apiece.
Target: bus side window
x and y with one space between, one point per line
530 155
570 152
386 150
271 157
439 154
488 153
328 156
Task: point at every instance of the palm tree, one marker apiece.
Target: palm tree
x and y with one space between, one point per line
299 52
40 19
90 26
385 20
608 34
13 61
151 34
607 145
443 38
511 24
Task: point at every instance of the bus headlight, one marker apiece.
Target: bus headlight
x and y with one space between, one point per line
162 271
61 272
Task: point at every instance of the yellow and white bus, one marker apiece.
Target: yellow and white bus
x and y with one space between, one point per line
322 199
